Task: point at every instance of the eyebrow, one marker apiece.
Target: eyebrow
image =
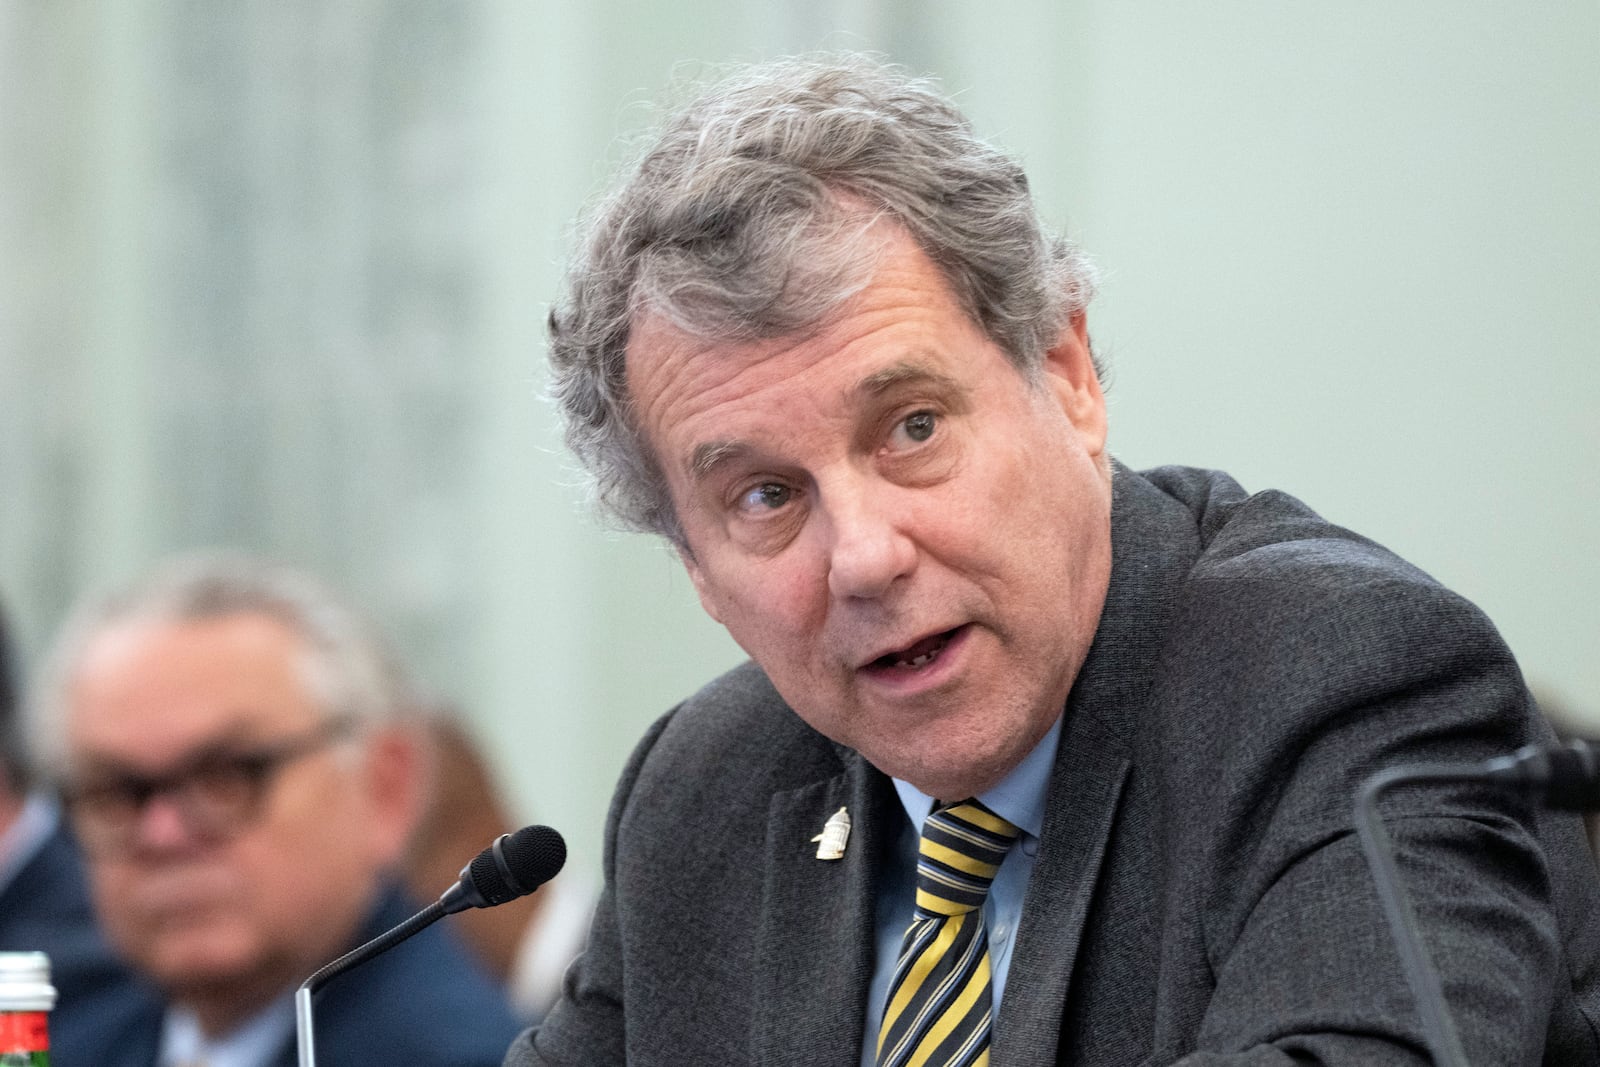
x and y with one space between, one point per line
905 372
707 457
713 454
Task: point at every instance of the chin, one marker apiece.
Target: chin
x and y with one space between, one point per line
201 962
955 781
938 778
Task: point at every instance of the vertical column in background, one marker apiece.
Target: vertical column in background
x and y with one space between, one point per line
45 98
74 314
119 484
539 597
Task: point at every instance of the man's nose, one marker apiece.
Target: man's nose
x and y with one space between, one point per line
162 825
871 548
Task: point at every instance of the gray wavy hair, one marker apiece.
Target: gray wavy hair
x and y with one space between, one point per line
348 669
745 218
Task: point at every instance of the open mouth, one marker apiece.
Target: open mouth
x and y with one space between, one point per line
916 656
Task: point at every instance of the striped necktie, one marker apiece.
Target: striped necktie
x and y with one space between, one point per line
938 1009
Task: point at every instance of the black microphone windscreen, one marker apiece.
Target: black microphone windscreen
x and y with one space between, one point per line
517 864
1574 782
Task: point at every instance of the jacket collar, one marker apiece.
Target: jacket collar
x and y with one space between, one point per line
816 940
1153 545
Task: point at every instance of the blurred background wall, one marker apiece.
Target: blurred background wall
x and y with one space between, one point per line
274 274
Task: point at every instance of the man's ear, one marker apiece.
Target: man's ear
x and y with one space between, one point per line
1073 381
701 586
396 780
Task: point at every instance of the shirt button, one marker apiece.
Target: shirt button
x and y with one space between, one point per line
1030 846
1000 933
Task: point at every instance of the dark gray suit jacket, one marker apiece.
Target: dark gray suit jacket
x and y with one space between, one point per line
1199 896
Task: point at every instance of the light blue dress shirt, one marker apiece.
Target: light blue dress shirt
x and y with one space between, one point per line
255 1043
1019 799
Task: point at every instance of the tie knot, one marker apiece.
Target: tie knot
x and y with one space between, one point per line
962 846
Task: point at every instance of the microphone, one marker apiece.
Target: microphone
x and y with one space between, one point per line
1565 776
513 866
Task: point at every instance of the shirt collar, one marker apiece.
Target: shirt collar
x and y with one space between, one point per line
26 835
1018 798
254 1043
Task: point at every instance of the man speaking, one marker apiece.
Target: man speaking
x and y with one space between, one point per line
1038 759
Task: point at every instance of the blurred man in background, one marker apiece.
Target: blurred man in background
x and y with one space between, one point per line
230 743
44 898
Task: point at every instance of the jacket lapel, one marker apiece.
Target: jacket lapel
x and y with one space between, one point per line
1153 545
816 940
1085 788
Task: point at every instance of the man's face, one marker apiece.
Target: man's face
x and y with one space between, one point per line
256 909
911 539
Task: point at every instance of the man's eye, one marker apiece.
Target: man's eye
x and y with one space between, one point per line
768 496
111 796
232 774
919 426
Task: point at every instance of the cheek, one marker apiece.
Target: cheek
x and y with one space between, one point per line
295 889
113 886
771 603
317 799
325 841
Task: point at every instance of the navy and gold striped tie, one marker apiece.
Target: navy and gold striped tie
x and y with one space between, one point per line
938 1009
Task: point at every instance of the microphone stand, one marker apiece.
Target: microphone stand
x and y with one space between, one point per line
382 943
1443 1040
513 866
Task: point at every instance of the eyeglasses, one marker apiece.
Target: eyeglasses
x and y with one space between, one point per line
217 793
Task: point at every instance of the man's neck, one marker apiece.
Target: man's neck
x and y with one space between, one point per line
221 1012
252 1042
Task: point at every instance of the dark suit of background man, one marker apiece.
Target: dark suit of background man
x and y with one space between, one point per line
44 896
819 341
233 746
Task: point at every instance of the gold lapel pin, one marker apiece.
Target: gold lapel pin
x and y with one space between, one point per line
835 835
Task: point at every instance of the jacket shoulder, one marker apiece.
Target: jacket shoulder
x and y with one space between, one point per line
737 727
1271 535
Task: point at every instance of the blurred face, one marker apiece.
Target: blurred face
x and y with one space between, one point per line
911 539
212 904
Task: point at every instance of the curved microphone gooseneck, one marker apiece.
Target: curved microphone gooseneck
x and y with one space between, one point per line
513 866
1565 776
